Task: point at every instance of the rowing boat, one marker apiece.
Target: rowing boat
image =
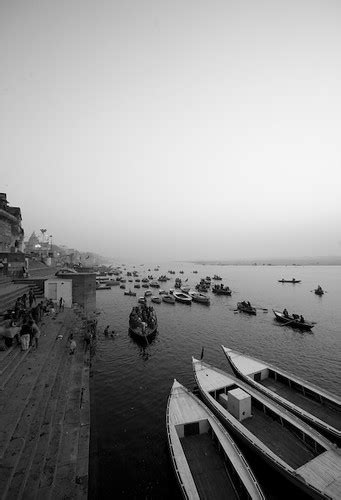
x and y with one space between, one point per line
293 322
313 404
207 462
243 307
289 281
200 297
289 445
182 297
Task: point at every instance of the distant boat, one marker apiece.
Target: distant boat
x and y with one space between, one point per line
319 290
221 290
246 307
182 297
289 281
157 300
316 406
132 294
207 462
102 286
293 322
216 277
169 299
142 300
289 445
185 289
200 297
148 293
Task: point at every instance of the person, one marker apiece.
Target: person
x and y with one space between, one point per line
35 333
285 312
106 330
301 319
87 339
61 304
73 344
25 334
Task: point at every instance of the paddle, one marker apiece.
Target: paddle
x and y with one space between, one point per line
288 322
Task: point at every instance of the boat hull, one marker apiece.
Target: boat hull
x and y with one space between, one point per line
247 310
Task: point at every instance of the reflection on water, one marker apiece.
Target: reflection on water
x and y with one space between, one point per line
131 381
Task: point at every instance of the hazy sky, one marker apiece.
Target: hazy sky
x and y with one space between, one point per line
156 129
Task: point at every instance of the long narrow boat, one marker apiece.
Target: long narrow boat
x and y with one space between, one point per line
314 405
206 460
289 281
293 322
182 297
289 445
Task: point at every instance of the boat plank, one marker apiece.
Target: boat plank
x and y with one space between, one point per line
207 467
278 439
329 415
324 470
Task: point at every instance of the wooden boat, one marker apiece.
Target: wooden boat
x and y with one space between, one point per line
169 299
132 294
221 290
102 286
122 286
142 300
207 462
137 285
289 445
148 293
314 405
185 289
200 297
143 320
289 281
319 290
182 297
293 322
154 284
247 308
217 278
157 300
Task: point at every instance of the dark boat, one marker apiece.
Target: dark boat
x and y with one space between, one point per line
293 448
316 406
319 290
143 321
221 290
289 281
132 294
246 307
293 322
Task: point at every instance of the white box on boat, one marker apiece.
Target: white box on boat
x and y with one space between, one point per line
239 404
223 400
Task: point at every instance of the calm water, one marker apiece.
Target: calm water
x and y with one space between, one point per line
131 384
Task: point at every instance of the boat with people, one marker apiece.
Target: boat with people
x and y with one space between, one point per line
317 407
132 294
217 278
182 297
169 299
178 283
289 281
207 462
246 307
293 448
293 320
154 284
221 290
200 297
143 320
319 290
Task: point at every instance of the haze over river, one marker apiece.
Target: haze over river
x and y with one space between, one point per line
131 384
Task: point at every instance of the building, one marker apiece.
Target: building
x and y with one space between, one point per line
11 232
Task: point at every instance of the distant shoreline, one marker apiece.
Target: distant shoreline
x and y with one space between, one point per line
332 261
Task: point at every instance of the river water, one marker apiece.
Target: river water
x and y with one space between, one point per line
131 383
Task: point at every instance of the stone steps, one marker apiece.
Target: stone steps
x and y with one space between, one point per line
45 448
10 294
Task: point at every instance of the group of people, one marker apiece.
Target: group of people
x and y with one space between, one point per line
294 316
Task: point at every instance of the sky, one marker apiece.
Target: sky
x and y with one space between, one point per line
183 129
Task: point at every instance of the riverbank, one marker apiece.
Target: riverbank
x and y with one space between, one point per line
45 413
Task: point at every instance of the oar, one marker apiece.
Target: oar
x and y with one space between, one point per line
288 322
264 309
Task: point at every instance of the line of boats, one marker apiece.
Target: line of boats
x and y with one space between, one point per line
291 424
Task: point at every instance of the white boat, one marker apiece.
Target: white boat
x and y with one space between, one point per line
314 405
185 289
287 443
182 297
200 297
207 462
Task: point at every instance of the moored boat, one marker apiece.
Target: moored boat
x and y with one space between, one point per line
143 320
313 404
182 297
157 300
246 307
294 322
287 443
200 297
102 286
169 299
148 293
207 462
132 294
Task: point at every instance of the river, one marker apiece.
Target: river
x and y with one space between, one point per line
131 384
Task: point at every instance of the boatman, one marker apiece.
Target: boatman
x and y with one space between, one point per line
285 313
